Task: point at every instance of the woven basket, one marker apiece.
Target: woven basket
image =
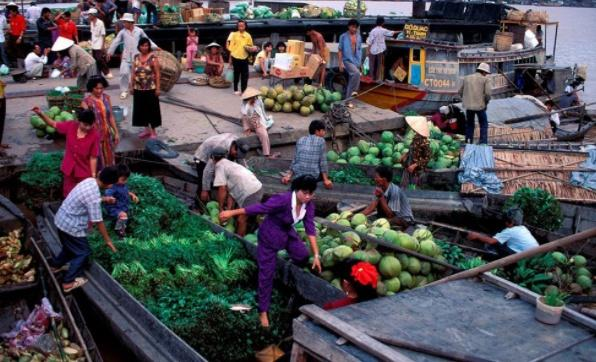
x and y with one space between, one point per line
515 15
73 101
200 81
503 41
57 101
169 68
536 16
168 18
219 82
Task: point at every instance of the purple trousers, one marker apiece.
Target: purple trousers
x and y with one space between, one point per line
266 259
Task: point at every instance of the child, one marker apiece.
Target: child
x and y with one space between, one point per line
553 119
192 46
62 63
263 60
117 200
280 47
215 62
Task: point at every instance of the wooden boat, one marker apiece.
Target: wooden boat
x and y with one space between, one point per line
18 300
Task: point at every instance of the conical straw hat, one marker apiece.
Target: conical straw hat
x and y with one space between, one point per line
62 44
419 125
249 93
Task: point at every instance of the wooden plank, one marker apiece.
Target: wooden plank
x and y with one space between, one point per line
312 342
352 334
530 297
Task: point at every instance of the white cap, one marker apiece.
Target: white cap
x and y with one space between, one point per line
61 44
444 110
484 67
568 90
128 17
92 11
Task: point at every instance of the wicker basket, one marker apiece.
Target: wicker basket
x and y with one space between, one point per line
219 82
57 101
218 11
503 41
169 68
201 80
536 16
73 101
515 15
168 18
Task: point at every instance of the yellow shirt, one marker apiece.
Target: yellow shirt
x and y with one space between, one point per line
260 55
237 42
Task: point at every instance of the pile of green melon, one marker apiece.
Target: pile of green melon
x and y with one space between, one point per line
391 152
40 127
300 100
212 215
397 270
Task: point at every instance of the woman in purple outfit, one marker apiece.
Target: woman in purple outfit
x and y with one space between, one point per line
277 232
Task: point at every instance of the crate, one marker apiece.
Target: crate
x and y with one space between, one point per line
218 11
168 18
57 101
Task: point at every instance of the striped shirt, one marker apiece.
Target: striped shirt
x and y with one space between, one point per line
398 202
311 157
81 206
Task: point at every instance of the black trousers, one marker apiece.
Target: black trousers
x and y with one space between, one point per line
100 59
240 73
200 168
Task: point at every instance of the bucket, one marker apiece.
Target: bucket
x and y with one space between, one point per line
118 113
547 314
200 69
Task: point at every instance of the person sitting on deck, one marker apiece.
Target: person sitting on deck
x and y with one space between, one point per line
280 48
390 201
515 238
35 62
117 200
311 156
237 150
358 280
235 183
263 60
215 63
553 118
450 119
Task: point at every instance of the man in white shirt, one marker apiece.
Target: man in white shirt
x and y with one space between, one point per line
98 36
377 47
3 26
35 61
515 238
33 13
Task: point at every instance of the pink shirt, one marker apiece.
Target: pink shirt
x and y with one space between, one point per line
78 151
192 42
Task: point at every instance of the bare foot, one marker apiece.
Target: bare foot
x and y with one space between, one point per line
264 319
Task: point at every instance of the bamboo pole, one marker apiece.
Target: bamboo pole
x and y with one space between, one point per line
545 114
559 243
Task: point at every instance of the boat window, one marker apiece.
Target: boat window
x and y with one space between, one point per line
397 64
416 55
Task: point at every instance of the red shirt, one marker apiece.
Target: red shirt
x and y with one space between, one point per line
17 25
78 151
339 303
67 29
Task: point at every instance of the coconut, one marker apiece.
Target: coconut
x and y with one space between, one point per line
414 265
382 223
269 103
406 279
264 91
373 256
287 107
389 267
296 107
392 284
359 219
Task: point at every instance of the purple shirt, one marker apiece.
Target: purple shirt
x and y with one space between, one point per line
277 228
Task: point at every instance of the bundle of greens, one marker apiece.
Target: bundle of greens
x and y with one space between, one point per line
540 208
189 276
350 175
43 171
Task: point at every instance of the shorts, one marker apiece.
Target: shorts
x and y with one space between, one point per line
255 198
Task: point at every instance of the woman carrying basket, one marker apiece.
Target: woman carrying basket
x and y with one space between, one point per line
144 86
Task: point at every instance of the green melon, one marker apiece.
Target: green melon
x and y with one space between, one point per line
305 111
392 284
579 261
583 271
269 103
414 265
389 267
559 257
584 282
406 279
387 137
332 156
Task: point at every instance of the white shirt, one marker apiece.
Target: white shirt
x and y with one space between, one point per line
98 32
240 181
297 217
517 238
130 39
2 27
555 119
33 59
33 13
376 40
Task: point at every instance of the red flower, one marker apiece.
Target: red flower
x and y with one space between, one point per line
365 274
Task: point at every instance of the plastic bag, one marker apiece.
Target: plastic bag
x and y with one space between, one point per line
229 75
55 73
4 70
365 66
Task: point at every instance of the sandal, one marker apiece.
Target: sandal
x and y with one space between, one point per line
78 282
60 269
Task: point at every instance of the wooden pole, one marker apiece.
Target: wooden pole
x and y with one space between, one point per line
546 114
559 243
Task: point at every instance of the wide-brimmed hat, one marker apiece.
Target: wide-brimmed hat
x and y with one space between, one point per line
419 125
483 67
219 152
214 44
92 11
61 44
250 92
12 5
128 17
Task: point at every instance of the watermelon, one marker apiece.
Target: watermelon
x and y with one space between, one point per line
336 96
446 139
54 110
373 151
40 133
406 279
387 151
353 151
354 160
387 137
387 161
332 156
50 130
325 107
363 146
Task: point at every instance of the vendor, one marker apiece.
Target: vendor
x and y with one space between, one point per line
237 149
214 64
515 238
358 280
277 232
255 119
450 119
416 159
264 60
310 157
81 62
235 183
390 201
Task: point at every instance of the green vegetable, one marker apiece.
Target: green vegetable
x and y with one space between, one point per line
540 208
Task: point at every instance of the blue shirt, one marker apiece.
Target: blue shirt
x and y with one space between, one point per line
345 45
120 193
517 238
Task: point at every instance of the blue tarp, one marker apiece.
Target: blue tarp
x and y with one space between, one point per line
475 159
586 179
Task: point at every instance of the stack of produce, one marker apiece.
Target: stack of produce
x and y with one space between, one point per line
40 127
189 277
243 10
351 8
540 208
390 152
308 11
300 100
15 267
213 216
288 13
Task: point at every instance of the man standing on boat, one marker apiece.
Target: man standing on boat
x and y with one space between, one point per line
515 238
377 47
311 156
350 57
130 37
319 47
390 201
476 90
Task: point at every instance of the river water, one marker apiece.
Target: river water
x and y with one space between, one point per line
575 40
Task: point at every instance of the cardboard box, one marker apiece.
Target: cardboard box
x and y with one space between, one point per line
313 64
306 71
197 12
284 61
296 47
